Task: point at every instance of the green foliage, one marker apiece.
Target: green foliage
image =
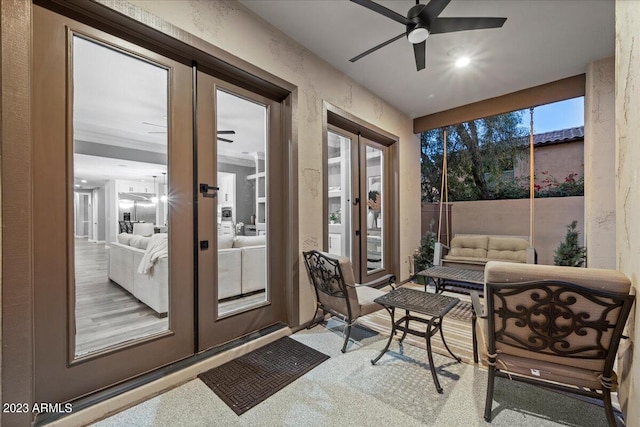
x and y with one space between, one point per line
569 252
478 152
423 258
481 155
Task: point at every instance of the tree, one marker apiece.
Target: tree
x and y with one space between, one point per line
569 252
478 152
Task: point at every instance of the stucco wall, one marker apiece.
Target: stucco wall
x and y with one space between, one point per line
599 159
511 217
627 82
557 161
232 27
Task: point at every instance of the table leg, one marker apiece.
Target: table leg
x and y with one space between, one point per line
391 312
406 325
430 355
445 343
474 318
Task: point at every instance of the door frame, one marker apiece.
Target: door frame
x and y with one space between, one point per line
16 167
336 117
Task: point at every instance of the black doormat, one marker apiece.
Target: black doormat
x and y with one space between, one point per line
248 380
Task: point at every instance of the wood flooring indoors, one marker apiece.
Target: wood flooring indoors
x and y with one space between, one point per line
106 314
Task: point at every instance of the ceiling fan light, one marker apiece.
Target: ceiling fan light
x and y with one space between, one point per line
463 61
418 35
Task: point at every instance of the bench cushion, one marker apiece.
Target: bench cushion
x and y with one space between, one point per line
507 249
469 246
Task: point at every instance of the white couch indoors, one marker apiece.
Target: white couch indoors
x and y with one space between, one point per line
242 265
125 257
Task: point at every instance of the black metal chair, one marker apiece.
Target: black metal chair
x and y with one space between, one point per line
558 327
336 291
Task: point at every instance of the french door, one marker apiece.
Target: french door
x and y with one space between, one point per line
357 200
115 120
121 158
241 206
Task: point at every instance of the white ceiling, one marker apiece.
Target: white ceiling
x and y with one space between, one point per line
541 41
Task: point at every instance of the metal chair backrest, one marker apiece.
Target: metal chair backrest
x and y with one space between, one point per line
557 321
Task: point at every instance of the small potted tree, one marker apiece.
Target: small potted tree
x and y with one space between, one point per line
569 252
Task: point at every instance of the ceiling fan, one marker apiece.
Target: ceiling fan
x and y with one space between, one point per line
421 21
220 132
226 132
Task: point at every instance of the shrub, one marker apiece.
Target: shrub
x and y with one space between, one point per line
423 258
569 252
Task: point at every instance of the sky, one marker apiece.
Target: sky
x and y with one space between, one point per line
558 115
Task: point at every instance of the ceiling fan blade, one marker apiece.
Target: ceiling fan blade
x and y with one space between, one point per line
450 25
420 52
153 124
373 49
383 11
225 140
433 9
226 132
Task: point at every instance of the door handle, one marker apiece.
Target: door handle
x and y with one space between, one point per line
204 189
357 232
356 202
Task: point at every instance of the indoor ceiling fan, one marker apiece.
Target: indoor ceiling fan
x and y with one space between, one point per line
226 132
421 21
220 132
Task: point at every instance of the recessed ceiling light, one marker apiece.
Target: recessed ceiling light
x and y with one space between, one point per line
431 96
77 185
142 180
84 181
463 61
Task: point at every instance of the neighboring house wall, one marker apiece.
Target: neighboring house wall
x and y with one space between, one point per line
627 114
232 27
600 161
554 160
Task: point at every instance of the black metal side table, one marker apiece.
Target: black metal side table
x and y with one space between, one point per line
434 305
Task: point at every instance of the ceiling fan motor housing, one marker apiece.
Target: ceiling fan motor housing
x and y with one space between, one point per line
417 23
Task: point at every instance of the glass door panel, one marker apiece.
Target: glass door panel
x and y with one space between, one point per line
119 149
339 194
375 224
241 129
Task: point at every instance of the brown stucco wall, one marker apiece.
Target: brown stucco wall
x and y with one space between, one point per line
511 217
627 118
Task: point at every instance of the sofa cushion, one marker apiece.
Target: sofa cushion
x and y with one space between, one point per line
507 249
140 242
465 259
225 241
245 241
469 246
124 238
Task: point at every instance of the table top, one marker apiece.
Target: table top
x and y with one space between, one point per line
418 301
449 273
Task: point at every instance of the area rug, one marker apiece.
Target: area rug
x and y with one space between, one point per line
456 327
250 379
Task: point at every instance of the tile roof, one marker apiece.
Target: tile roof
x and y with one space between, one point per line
559 136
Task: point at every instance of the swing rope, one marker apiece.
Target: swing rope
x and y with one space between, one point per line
532 193
444 191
